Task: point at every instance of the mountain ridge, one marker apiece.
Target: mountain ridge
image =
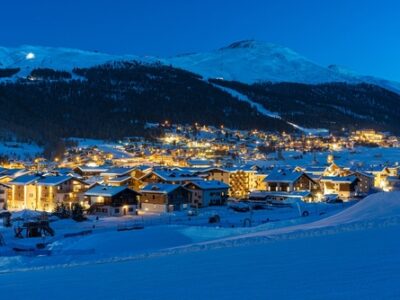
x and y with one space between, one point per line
247 61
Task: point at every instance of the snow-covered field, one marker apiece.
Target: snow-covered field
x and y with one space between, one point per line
16 150
349 253
109 147
361 157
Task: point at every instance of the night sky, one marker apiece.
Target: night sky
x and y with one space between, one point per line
362 35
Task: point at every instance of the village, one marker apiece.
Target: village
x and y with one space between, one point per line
193 167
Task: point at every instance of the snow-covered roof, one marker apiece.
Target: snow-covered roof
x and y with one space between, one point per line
105 191
93 169
200 162
339 179
143 168
364 174
314 169
210 184
175 175
15 172
64 170
162 188
24 179
120 179
286 176
53 180
117 171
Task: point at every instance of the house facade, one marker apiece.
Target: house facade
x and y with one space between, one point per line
164 197
289 181
44 192
112 200
206 193
346 187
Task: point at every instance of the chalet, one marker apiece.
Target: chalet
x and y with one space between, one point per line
289 181
382 175
53 190
175 176
7 175
44 192
120 181
23 193
86 171
164 197
240 180
214 174
366 182
392 184
137 174
345 187
112 200
205 193
314 172
140 171
118 176
335 170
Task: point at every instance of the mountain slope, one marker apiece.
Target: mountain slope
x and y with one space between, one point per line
326 105
245 61
116 100
105 96
253 61
28 58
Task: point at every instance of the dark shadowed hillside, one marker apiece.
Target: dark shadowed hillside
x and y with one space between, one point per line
113 101
330 105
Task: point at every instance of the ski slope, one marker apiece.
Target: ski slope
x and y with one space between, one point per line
262 110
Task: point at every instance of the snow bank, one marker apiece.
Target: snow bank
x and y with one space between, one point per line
375 211
374 207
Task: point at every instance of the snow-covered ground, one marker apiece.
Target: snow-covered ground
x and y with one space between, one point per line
361 157
109 147
16 150
351 254
163 231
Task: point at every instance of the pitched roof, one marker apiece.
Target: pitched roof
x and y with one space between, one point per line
105 191
120 179
210 184
283 176
162 188
53 180
93 169
15 172
117 171
175 175
339 179
24 179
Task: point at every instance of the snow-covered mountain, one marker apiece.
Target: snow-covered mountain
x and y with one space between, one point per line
253 61
28 58
245 61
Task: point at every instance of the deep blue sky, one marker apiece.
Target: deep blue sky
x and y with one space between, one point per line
362 35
